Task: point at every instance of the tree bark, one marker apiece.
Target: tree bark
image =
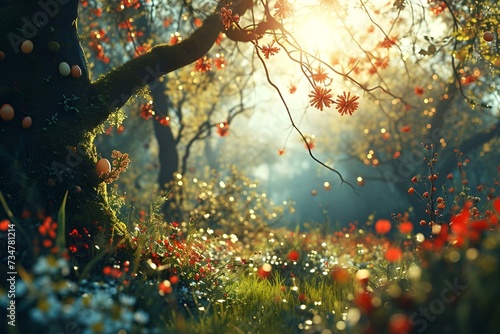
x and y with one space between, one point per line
56 154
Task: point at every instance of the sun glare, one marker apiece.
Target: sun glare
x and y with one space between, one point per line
324 33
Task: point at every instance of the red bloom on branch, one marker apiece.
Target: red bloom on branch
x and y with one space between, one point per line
320 76
228 18
347 103
269 50
321 97
220 62
147 110
223 129
387 43
419 90
203 64
283 9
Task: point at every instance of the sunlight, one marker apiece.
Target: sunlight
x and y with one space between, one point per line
321 31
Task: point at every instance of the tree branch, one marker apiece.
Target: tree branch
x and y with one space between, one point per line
449 161
117 86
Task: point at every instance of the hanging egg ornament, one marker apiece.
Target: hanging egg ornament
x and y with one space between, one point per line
76 71
27 122
64 69
7 112
27 47
488 36
102 167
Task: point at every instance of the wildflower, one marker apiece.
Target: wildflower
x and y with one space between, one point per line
141 317
269 50
293 255
405 227
4 225
496 205
265 270
320 75
393 254
292 88
382 226
321 98
400 323
228 18
340 275
283 9
347 103
363 301
46 310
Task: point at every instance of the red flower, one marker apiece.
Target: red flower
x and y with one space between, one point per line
165 287
283 9
405 227
165 121
347 103
220 62
293 255
320 75
223 129
383 226
405 128
419 90
203 64
147 110
364 301
4 225
320 98
269 50
399 323
496 205
228 18
387 43
393 254
265 270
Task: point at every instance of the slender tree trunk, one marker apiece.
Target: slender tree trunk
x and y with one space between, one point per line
168 156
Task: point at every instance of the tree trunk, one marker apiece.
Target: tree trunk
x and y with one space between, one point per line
55 154
168 156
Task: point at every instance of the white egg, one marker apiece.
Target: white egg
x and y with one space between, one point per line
64 69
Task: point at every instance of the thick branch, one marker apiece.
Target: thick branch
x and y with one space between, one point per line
115 88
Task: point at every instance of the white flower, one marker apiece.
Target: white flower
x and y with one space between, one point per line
127 300
47 309
141 317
